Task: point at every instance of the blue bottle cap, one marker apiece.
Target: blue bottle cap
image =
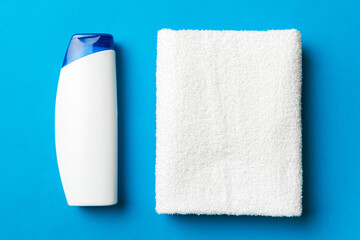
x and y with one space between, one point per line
82 45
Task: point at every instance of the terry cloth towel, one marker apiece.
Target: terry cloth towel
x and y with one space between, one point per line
228 122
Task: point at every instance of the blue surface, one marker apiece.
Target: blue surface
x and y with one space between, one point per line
34 38
82 45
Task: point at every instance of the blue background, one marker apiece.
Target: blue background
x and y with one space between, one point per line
33 39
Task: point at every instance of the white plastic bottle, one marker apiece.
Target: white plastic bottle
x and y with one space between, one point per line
86 121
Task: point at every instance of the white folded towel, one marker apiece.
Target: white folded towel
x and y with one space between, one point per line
229 122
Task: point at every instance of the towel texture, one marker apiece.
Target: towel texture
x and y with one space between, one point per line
229 122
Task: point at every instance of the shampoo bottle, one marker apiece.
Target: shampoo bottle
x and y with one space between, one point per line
86 121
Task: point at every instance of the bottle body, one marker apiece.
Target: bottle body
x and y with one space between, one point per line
86 130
